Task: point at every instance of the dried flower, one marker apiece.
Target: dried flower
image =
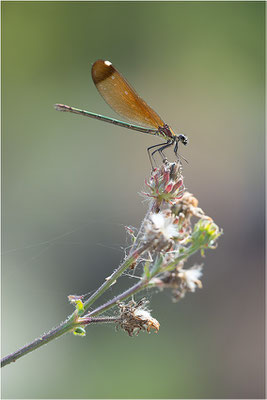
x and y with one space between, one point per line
190 277
180 280
187 206
135 317
161 228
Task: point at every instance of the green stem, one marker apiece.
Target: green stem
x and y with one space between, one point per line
130 260
60 330
142 284
188 253
101 320
70 322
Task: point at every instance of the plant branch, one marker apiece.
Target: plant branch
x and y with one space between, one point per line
130 260
113 302
70 323
46 338
165 232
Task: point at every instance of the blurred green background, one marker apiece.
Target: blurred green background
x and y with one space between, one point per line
70 184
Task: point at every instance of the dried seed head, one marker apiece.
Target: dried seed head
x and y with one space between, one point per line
161 229
188 206
180 280
135 317
190 278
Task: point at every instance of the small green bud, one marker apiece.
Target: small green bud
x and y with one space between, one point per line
205 233
79 331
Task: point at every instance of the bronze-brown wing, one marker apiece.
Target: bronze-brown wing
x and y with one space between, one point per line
121 97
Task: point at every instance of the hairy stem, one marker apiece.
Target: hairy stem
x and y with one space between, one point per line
71 321
47 337
133 256
113 302
101 320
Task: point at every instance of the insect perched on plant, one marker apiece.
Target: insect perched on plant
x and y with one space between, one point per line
123 99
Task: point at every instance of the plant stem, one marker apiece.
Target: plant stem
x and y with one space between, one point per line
101 320
111 303
60 330
133 256
70 322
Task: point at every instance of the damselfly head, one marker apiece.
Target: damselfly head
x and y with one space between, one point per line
182 138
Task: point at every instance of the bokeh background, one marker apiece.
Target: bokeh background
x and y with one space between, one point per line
70 184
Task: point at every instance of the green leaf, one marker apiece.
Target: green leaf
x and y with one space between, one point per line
146 270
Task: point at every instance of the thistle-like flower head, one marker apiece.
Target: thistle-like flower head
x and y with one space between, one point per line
166 184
